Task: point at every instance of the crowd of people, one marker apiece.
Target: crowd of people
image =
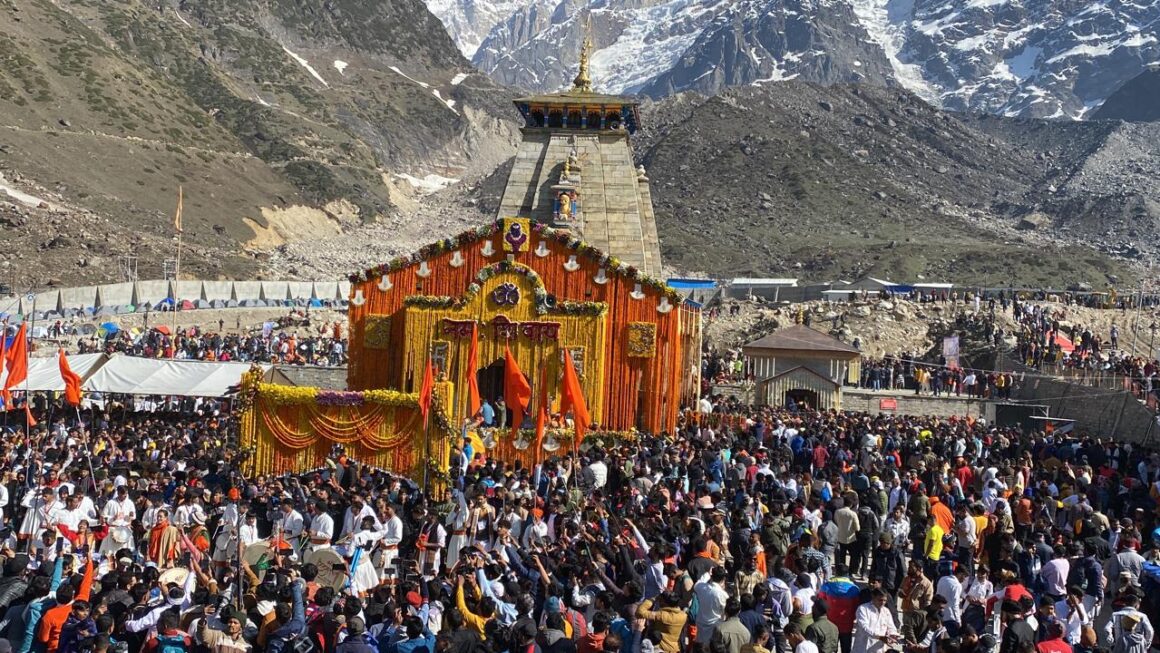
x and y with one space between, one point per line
322 345
747 530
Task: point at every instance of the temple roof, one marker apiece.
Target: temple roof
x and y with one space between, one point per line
801 338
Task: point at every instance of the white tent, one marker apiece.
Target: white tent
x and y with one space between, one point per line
44 373
147 376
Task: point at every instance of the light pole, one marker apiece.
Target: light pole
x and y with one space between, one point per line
1152 341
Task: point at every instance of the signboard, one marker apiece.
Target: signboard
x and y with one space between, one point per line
887 404
951 351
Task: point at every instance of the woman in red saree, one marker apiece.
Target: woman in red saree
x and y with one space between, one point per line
164 539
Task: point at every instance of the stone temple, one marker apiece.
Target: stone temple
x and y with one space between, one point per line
574 170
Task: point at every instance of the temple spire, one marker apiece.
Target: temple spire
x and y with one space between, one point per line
583 82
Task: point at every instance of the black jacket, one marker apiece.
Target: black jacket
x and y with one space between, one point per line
889 568
11 589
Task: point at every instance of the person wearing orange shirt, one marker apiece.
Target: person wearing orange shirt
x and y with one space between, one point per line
942 514
54 618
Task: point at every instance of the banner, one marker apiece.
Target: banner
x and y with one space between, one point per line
951 351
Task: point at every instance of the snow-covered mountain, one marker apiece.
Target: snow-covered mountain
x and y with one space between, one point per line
1034 58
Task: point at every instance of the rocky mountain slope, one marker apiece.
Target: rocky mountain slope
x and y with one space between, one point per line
281 119
844 181
1029 58
1136 101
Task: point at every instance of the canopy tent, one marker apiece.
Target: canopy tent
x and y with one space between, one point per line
148 376
139 376
44 373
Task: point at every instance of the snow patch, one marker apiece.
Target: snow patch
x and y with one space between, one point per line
432 183
305 64
1022 65
450 103
458 79
423 84
340 66
885 23
30 201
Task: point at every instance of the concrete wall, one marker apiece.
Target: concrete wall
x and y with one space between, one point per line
1097 411
222 290
275 290
865 401
152 292
187 289
300 289
83 297
116 294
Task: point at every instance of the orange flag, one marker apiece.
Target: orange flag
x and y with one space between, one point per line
472 371
17 357
427 391
29 420
72 382
542 411
517 394
572 398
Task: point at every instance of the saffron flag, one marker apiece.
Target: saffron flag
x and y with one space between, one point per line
29 421
542 411
572 398
472 372
177 216
517 394
17 358
72 382
427 391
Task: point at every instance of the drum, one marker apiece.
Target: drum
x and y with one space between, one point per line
175 576
332 569
259 556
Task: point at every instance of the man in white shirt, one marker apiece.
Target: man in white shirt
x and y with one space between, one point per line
119 514
352 518
950 587
874 630
798 641
321 527
711 597
1073 615
392 536
292 524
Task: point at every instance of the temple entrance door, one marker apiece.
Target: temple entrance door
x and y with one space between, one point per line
800 398
490 381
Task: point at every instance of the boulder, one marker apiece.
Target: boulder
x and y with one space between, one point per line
1033 221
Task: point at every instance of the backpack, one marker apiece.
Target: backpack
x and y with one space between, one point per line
171 643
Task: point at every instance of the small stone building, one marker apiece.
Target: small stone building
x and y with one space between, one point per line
803 365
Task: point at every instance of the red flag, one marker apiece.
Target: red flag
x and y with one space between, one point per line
542 411
17 357
472 372
572 398
29 420
72 382
517 394
426 391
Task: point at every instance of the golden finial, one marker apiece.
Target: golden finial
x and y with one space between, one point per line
801 318
583 83
567 174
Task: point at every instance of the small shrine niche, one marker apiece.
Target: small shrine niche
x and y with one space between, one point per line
566 200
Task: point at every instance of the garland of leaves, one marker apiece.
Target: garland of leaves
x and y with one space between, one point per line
561 236
290 395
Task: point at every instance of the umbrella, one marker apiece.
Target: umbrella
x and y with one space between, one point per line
162 329
109 327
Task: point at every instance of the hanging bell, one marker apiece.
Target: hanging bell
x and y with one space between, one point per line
487 250
571 264
457 260
423 271
385 283
489 440
521 444
637 292
542 249
664 306
601 277
358 300
550 444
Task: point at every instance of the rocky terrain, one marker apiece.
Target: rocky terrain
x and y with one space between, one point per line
1028 58
895 326
281 119
1136 101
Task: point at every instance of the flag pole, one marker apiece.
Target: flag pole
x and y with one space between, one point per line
27 363
177 266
